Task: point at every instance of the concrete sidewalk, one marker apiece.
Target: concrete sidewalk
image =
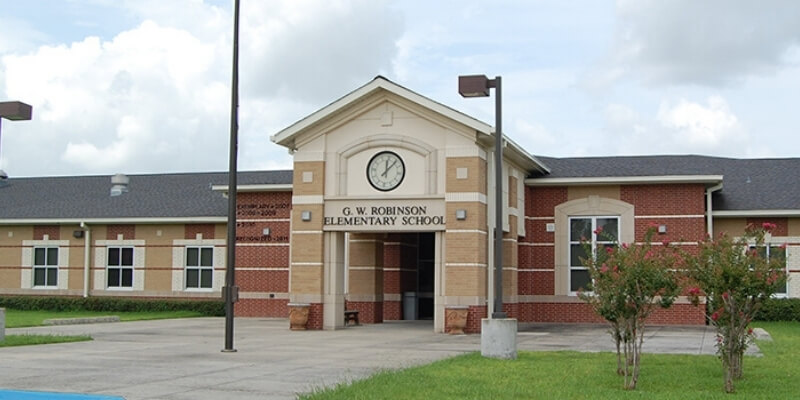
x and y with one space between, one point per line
181 359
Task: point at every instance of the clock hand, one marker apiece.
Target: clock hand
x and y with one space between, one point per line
385 168
389 166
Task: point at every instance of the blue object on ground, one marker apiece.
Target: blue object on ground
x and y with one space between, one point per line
25 395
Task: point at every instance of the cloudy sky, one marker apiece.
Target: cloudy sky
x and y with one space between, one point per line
142 86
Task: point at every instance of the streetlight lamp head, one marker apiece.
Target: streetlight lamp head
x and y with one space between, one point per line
15 111
473 86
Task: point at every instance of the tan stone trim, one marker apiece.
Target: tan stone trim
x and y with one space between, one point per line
392 297
464 300
540 218
669 216
305 298
590 206
262 268
262 244
465 197
308 199
264 295
476 265
365 297
459 152
542 244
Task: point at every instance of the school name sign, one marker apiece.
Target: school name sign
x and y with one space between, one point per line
414 215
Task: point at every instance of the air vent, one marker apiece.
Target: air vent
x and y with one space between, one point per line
119 184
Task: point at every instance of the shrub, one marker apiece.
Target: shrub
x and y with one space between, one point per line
113 304
779 310
737 280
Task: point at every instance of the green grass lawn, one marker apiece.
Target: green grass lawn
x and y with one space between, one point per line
20 319
573 375
26 340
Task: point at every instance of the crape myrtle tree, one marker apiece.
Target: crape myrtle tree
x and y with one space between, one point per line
736 276
628 282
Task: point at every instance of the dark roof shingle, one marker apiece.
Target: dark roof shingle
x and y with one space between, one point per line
149 196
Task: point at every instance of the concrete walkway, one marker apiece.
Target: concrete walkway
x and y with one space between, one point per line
181 359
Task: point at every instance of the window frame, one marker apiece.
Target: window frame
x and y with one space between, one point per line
200 268
121 267
594 244
767 246
46 266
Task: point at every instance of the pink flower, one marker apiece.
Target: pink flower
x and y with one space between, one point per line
750 331
725 296
665 242
625 246
610 250
768 226
603 269
715 316
783 246
652 225
598 231
694 291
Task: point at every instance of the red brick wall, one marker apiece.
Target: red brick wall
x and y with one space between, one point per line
263 281
678 229
314 316
262 260
52 231
677 199
274 308
541 201
476 314
128 232
392 310
191 231
369 312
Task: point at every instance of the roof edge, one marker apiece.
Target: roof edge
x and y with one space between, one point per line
755 213
112 220
266 187
611 180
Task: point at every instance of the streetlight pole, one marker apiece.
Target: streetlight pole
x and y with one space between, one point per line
478 86
13 111
231 292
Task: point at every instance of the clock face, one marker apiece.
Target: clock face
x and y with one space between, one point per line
385 171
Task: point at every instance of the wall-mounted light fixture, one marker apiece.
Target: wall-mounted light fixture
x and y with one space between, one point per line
265 232
662 229
305 216
461 214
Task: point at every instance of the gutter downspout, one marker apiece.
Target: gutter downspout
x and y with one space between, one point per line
86 257
709 218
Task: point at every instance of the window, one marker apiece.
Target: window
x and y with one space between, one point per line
584 228
45 266
199 267
775 252
120 267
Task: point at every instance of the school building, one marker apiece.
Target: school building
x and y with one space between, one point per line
388 210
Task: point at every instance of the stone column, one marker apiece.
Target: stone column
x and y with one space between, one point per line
333 298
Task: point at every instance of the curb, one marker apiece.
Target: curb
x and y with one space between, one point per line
78 321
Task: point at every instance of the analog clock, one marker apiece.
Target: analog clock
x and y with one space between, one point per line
386 171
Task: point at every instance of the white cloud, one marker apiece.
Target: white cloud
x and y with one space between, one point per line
677 127
702 127
316 51
156 97
711 42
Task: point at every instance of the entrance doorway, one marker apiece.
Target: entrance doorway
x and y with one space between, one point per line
426 243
